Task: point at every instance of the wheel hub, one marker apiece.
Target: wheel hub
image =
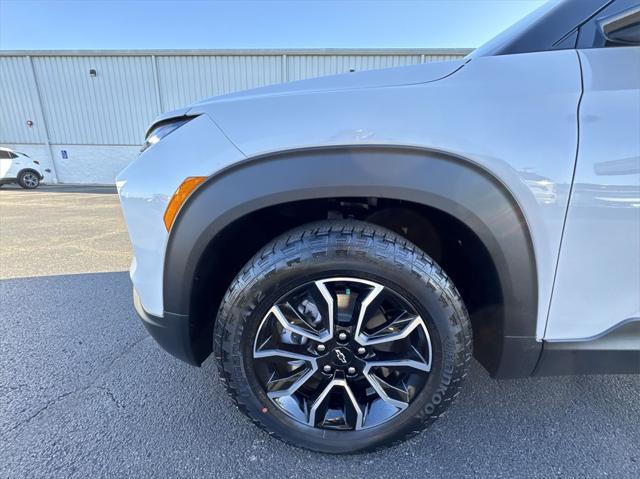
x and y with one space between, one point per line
342 353
341 357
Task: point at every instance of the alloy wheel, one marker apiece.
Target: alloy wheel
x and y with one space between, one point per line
342 353
30 180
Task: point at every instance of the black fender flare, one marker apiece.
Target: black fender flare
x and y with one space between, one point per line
448 183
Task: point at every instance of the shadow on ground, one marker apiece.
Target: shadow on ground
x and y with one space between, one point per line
84 392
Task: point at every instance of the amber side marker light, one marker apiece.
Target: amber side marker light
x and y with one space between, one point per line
179 197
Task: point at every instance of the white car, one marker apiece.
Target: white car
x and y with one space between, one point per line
345 245
16 167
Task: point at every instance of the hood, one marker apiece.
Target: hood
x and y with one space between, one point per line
408 75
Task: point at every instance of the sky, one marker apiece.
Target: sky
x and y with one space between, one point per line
204 24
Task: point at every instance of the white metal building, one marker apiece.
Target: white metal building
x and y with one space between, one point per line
83 114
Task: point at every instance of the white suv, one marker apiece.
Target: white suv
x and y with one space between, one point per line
345 245
16 167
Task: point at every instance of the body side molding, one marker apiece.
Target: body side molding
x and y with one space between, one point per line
616 351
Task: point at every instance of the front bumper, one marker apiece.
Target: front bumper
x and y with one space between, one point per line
173 333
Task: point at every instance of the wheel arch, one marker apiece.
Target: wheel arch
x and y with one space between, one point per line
442 182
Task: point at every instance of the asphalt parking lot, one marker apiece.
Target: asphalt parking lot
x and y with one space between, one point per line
84 392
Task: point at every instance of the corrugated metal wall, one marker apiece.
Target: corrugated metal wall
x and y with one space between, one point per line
111 108
19 102
110 111
185 79
300 67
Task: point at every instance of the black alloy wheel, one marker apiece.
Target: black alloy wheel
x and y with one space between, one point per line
342 353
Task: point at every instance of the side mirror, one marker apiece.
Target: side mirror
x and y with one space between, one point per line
621 29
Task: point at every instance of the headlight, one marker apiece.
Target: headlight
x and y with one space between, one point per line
162 130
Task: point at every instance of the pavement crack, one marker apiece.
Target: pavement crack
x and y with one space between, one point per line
79 390
111 396
49 403
126 351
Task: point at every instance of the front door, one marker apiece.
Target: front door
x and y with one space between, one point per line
597 284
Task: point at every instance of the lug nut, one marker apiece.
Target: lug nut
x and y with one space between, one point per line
351 370
321 348
342 336
327 369
361 350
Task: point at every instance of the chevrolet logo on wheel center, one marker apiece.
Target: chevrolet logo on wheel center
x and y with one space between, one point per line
341 357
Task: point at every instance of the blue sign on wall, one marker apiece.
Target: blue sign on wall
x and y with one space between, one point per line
64 154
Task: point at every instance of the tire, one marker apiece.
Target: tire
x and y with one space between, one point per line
342 255
28 180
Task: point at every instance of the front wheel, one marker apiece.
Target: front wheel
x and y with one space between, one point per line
28 180
342 337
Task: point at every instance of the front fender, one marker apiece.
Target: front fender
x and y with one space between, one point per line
445 182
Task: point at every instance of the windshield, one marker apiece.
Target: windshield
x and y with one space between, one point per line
514 31
553 26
